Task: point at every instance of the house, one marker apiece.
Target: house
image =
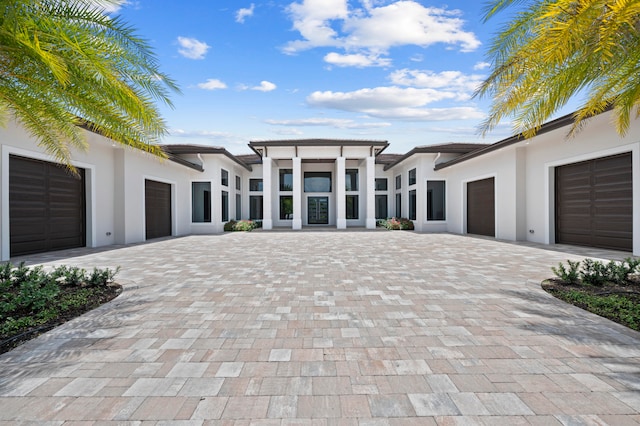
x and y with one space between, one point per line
548 189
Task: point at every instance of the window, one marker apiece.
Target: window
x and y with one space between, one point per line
381 207
286 180
352 207
255 207
224 178
381 184
436 200
238 207
238 183
255 185
398 205
351 180
317 182
201 202
412 205
398 181
412 177
286 207
225 206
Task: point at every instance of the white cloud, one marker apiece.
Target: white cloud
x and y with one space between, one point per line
456 81
356 60
212 84
481 65
265 86
244 13
373 30
192 48
338 123
198 134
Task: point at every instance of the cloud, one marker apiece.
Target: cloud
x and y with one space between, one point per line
265 86
373 30
192 48
481 65
198 134
338 123
356 60
244 13
456 81
212 84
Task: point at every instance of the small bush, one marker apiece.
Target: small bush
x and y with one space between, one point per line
241 225
396 224
595 272
569 274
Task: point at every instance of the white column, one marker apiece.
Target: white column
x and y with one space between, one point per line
267 220
296 223
371 193
341 221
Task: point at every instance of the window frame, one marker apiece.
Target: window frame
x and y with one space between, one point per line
444 201
224 177
207 208
351 178
224 205
354 212
412 174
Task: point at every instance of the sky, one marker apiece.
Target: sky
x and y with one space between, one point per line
400 71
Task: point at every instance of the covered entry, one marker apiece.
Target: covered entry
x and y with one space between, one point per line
46 207
594 203
318 210
157 204
481 215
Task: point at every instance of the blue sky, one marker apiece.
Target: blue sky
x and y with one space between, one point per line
401 71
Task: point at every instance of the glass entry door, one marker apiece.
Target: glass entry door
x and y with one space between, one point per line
318 210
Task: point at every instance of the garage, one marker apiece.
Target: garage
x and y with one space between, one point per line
47 207
594 203
481 214
157 203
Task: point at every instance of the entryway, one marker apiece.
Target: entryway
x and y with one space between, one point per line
318 210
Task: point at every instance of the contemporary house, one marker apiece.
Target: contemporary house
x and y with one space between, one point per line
548 189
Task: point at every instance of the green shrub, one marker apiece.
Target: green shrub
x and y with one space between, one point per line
230 226
395 224
568 275
241 225
595 272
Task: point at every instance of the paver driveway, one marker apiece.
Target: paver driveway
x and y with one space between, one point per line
324 328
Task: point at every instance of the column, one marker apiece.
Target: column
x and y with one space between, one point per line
341 221
296 223
371 193
267 201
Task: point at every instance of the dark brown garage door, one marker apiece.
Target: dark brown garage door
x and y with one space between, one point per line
481 215
46 207
157 209
594 203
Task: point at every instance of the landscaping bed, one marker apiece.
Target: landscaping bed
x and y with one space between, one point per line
33 301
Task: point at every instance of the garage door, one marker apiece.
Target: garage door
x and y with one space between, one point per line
46 207
481 215
594 203
157 209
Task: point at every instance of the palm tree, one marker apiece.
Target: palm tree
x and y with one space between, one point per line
556 49
67 64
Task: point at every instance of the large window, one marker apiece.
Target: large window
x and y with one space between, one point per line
351 180
381 207
398 181
286 180
317 182
381 184
286 207
255 185
238 207
398 205
412 177
352 207
224 177
255 207
225 206
412 204
436 200
201 202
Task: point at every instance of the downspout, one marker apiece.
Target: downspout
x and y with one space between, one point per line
435 160
201 160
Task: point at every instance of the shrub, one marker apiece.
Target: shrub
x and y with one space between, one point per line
568 275
230 226
241 225
396 224
595 272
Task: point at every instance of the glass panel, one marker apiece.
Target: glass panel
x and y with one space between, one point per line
412 177
398 205
412 205
436 200
238 207
238 183
381 184
351 180
286 180
318 210
317 182
352 207
201 202
225 206
255 207
224 178
381 207
398 181
255 184
286 207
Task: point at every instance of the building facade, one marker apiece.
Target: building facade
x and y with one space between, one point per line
547 189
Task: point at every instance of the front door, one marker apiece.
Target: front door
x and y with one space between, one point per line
318 210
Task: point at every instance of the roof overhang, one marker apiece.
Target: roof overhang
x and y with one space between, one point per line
262 147
176 150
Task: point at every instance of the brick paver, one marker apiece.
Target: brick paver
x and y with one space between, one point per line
326 328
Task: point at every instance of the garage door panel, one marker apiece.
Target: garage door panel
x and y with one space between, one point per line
481 207
595 210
